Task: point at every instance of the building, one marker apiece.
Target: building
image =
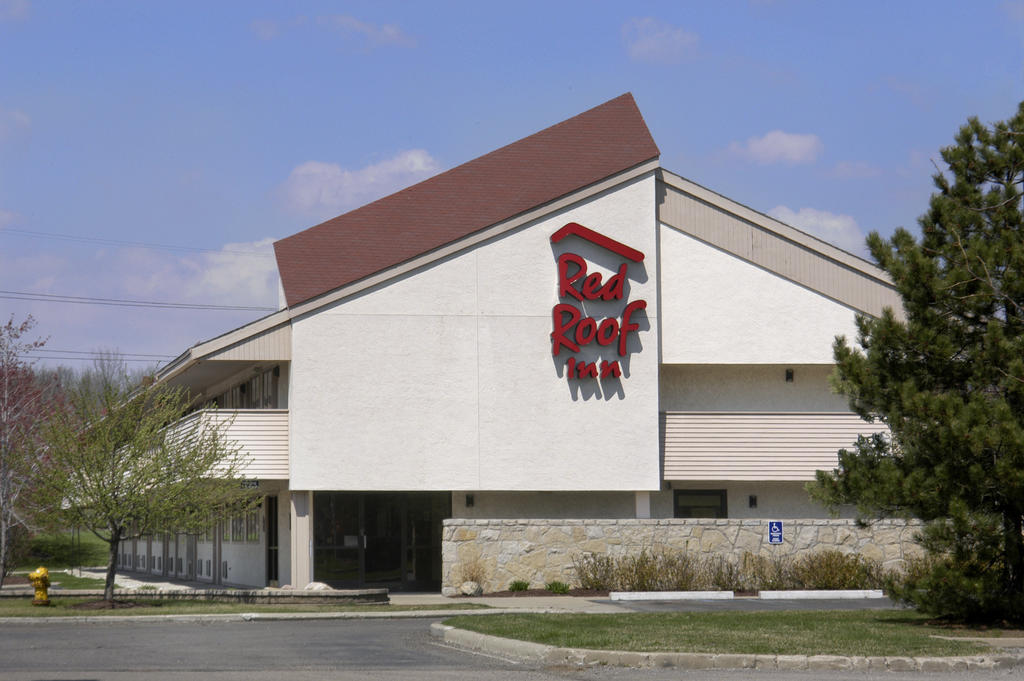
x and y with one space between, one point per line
560 329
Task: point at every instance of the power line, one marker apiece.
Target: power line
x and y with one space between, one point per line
84 300
117 242
102 353
91 358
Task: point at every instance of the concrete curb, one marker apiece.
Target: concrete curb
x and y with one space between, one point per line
270 616
671 595
795 595
267 596
822 594
544 654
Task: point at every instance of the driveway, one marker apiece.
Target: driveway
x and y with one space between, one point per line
304 651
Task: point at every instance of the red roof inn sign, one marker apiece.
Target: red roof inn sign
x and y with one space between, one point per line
573 331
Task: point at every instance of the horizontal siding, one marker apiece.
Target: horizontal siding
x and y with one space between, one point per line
775 253
756 446
273 345
262 435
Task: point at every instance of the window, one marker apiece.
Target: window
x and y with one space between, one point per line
252 526
700 503
238 528
258 392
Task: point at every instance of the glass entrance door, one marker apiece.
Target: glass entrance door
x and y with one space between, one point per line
337 540
390 539
382 539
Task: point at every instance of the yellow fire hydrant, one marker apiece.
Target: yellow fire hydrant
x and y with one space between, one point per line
40 579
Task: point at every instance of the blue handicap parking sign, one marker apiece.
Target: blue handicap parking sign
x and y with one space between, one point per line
775 532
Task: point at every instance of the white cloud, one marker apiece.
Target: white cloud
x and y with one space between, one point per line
780 147
13 122
324 189
374 34
855 170
236 274
838 230
13 10
650 40
264 29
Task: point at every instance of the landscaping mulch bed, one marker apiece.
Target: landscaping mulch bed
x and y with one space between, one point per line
15 580
588 593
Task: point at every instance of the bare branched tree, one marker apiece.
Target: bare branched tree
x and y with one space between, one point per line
25 399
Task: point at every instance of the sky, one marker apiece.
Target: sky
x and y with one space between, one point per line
153 151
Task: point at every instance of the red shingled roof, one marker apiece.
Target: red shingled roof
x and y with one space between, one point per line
537 169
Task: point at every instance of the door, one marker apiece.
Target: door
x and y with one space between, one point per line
390 539
190 555
270 508
382 538
337 539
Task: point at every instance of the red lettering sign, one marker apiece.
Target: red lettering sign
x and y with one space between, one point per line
570 329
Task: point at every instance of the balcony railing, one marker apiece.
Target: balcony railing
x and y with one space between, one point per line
262 435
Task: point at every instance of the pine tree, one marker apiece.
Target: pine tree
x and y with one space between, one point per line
947 377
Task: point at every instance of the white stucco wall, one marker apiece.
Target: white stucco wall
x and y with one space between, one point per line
743 387
545 505
445 380
775 500
719 309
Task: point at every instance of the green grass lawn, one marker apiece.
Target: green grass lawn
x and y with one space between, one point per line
62 580
61 550
63 607
858 633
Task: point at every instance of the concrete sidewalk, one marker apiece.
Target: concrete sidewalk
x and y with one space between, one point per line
137 580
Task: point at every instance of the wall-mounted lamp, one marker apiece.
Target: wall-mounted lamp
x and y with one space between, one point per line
789 375
752 501
469 501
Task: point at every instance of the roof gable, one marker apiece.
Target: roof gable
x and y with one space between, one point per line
535 170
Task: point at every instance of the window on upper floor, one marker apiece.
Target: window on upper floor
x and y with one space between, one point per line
258 392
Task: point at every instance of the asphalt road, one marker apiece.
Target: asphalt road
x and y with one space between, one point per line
305 651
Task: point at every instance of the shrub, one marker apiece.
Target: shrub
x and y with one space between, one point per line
765 573
723 574
472 570
557 587
835 570
595 572
519 585
637 573
680 571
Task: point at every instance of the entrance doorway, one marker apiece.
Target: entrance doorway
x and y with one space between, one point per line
388 539
270 509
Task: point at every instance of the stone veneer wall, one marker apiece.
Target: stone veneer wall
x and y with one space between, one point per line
540 551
